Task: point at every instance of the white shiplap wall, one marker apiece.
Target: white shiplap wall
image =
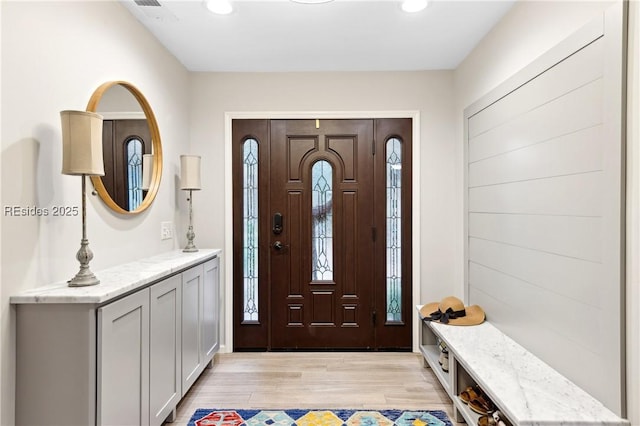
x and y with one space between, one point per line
544 208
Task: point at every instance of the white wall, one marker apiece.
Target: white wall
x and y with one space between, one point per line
633 217
430 93
529 29
53 64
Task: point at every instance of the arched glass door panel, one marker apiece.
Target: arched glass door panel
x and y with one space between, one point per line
134 173
322 221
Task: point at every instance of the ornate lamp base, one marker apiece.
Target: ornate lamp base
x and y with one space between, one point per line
190 236
84 277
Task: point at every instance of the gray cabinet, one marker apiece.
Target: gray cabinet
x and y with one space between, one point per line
210 308
121 353
192 360
164 349
123 361
200 319
139 356
55 364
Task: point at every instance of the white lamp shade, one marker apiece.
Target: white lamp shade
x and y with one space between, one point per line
81 143
147 170
190 172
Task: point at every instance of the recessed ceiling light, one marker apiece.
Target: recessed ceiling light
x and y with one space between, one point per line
219 7
412 6
311 1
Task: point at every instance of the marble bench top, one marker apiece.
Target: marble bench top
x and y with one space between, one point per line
117 280
527 390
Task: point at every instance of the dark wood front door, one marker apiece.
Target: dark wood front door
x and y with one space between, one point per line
124 144
321 274
311 260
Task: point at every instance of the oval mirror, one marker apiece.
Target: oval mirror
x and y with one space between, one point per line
132 149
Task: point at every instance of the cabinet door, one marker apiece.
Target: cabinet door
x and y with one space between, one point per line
123 361
164 348
210 309
192 362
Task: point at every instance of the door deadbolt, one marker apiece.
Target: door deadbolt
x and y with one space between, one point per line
278 225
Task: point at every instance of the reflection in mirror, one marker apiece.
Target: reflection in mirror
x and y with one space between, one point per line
130 133
125 138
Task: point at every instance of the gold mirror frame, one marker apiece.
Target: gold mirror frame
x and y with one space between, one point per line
155 143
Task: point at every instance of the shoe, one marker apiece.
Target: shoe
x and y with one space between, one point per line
444 363
486 420
443 360
481 404
469 393
497 418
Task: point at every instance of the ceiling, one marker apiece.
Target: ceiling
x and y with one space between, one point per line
344 35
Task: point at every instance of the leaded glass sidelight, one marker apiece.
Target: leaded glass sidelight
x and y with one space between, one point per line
250 228
134 173
394 229
321 221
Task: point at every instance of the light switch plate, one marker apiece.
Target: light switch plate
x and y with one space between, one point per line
166 230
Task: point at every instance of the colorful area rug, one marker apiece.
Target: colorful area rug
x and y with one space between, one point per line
220 417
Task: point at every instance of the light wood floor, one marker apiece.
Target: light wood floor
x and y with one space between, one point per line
270 380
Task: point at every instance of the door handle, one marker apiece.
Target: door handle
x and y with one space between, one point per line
279 246
278 223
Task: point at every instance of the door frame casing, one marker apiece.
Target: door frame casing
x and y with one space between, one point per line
228 200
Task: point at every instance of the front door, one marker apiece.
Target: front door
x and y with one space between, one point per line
321 274
124 143
321 251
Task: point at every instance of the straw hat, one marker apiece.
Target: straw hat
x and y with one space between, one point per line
452 311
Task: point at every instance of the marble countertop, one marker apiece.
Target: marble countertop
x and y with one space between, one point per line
117 280
528 391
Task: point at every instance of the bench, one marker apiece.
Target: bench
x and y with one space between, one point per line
525 389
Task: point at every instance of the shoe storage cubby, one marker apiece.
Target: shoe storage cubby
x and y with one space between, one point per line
453 381
430 349
463 380
523 388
